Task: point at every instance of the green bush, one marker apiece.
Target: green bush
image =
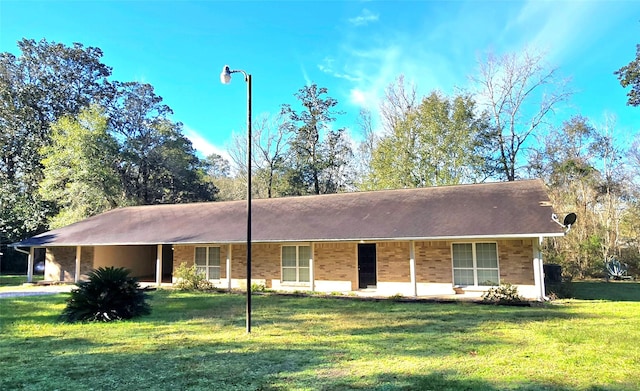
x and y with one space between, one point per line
396 297
109 294
188 278
505 294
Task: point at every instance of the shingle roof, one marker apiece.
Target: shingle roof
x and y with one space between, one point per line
508 209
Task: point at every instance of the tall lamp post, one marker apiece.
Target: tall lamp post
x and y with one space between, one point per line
225 78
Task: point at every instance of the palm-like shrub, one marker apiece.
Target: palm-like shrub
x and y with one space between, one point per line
109 294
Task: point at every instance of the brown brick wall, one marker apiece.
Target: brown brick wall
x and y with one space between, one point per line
515 259
265 262
86 261
393 261
336 262
239 260
60 264
183 254
186 254
433 262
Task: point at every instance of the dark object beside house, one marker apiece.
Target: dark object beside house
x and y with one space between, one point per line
552 273
617 270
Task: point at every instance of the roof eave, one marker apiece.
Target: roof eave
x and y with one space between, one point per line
257 241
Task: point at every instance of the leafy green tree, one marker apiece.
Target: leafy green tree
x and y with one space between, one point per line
177 174
80 175
629 75
45 82
434 145
217 166
49 81
519 93
157 162
318 153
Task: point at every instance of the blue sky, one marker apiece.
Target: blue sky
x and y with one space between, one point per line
354 48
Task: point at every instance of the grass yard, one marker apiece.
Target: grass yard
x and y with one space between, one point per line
13 280
195 341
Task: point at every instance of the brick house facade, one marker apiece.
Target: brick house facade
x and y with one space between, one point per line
413 242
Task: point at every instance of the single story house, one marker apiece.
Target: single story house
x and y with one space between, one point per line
413 242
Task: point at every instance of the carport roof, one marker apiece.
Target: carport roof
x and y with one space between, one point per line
489 210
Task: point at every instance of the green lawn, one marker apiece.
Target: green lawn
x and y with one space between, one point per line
601 290
14 280
198 342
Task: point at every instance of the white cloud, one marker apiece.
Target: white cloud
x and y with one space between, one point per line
358 97
305 75
371 70
327 67
364 18
555 28
204 147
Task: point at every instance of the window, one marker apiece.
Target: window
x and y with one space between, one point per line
475 264
295 263
208 262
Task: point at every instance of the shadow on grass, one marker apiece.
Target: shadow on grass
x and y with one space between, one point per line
366 317
31 309
443 381
298 343
176 366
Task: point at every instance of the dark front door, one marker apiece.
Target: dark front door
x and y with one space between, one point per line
366 265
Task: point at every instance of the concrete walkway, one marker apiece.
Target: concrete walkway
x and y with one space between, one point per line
34 290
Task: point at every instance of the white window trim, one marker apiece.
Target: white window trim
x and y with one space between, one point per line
207 266
475 263
297 267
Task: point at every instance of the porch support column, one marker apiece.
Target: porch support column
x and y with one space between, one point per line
311 274
76 278
229 255
412 268
538 269
159 265
30 265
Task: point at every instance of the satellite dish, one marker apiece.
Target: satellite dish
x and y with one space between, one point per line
569 219
567 222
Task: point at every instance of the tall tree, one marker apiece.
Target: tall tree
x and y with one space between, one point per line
585 174
46 81
158 163
271 153
361 164
318 153
80 174
434 145
629 75
217 166
399 100
230 187
519 92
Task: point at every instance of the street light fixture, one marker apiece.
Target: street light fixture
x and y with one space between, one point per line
225 78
